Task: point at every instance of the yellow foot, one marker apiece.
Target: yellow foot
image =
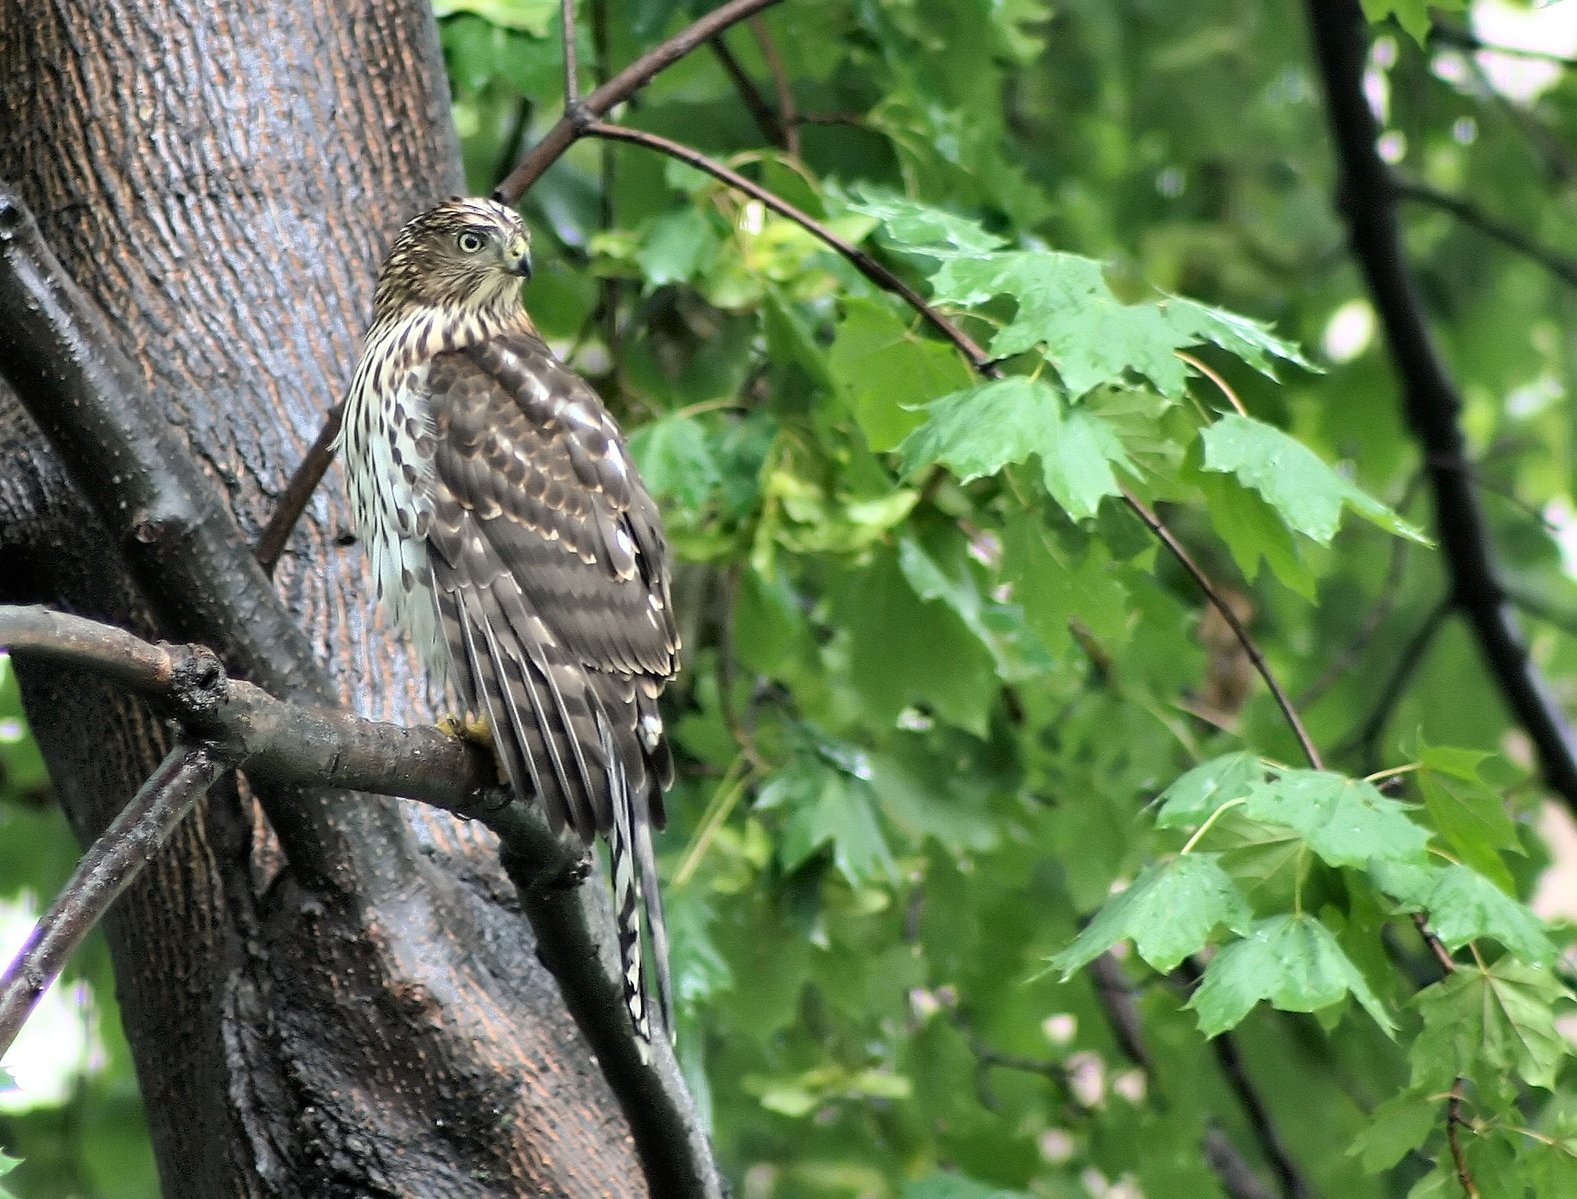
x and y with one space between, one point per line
478 731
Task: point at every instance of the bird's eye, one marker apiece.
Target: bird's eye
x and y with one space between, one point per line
470 242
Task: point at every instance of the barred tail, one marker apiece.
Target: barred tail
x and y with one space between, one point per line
634 887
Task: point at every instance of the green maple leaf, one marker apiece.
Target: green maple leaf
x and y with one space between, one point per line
1192 798
1169 911
1292 478
1347 822
1490 1023
1463 906
1294 962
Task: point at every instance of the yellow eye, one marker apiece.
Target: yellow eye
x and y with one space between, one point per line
470 242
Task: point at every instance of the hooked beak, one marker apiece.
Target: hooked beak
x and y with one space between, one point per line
517 257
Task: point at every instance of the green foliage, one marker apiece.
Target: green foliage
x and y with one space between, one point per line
949 713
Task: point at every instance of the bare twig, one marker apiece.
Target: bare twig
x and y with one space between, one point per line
106 870
298 492
1454 1122
623 85
571 62
766 120
1432 402
1114 991
1202 580
788 114
1563 268
1229 1061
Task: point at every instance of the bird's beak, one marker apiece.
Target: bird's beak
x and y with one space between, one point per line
517 260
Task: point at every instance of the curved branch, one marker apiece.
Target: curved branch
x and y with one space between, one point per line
1431 400
621 87
857 258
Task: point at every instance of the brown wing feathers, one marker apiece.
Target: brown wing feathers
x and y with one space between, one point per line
548 575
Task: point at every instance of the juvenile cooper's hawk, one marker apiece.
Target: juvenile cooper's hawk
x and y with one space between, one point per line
517 546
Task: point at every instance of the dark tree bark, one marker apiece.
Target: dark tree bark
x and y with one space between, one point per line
323 998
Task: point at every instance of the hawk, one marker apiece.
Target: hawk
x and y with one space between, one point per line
517 546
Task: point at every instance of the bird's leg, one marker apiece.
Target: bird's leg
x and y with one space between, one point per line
477 731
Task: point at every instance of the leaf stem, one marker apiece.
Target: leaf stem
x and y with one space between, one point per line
1210 820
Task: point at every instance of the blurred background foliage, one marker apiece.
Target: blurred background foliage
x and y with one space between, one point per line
923 713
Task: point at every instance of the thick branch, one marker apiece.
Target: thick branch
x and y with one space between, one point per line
668 1132
1432 403
106 870
620 88
238 725
287 743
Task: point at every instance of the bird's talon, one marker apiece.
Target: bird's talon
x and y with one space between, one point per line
477 731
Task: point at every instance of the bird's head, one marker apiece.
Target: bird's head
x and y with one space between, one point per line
464 255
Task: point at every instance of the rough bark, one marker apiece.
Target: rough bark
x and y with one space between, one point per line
358 1013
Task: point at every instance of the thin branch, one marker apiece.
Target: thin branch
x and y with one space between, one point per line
1563 268
298 492
788 113
1431 400
1454 1122
1202 580
885 279
1237 1178
1114 991
766 120
621 87
858 258
571 62
104 872
1366 738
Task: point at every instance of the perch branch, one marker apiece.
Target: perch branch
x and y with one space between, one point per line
1430 397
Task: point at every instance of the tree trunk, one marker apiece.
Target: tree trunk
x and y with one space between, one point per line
352 1006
